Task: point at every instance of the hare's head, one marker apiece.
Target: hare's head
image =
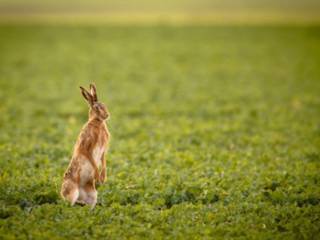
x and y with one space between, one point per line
97 110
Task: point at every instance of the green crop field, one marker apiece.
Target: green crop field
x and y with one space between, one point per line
215 130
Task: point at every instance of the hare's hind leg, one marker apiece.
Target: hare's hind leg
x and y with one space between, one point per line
88 194
70 191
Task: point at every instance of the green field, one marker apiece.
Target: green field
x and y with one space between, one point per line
215 130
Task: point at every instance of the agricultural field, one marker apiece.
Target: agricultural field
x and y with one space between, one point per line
215 130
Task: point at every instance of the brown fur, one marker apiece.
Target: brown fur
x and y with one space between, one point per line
79 179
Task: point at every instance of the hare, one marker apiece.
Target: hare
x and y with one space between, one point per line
83 171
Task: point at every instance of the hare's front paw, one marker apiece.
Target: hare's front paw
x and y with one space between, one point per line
97 176
102 177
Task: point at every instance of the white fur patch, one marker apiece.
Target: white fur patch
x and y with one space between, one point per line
87 171
97 153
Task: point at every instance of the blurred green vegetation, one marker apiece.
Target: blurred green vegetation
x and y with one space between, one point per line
216 131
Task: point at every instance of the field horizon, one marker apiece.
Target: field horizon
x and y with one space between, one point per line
166 12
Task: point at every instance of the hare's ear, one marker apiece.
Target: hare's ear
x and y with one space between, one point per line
93 92
87 95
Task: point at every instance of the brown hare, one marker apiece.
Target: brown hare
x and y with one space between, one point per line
83 171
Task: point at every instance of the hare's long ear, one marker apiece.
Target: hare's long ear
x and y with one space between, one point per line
87 95
93 92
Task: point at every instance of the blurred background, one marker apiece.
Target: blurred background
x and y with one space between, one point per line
176 11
